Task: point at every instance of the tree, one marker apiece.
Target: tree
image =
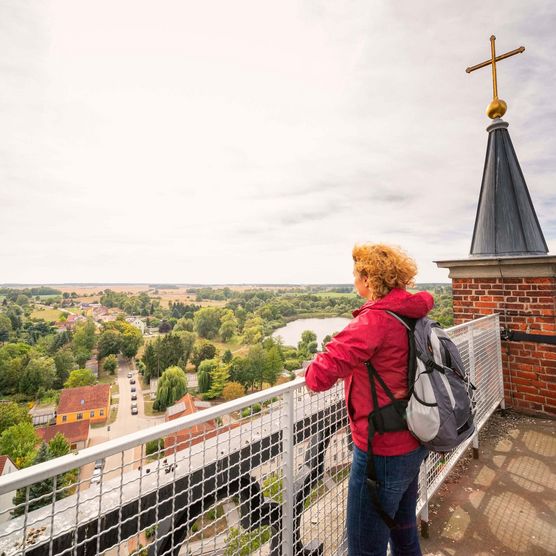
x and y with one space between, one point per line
232 391
11 414
325 341
208 366
80 377
307 336
22 300
253 330
184 325
13 360
40 373
227 356
150 361
207 322
256 360
164 327
228 326
109 343
18 442
84 338
58 446
203 381
131 341
203 350
5 327
273 365
110 364
64 361
171 387
188 343
219 378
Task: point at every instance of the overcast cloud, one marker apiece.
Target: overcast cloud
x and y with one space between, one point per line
256 142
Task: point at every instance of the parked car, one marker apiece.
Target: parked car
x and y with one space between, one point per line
129 375
134 410
133 389
132 381
134 396
95 478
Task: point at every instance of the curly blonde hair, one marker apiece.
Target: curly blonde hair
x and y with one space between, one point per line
383 267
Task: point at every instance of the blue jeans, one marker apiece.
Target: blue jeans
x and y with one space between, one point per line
398 477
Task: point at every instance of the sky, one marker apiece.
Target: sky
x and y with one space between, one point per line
256 141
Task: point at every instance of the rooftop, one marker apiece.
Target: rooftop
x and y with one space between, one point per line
84 398
74 432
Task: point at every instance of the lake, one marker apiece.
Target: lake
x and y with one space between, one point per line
291 333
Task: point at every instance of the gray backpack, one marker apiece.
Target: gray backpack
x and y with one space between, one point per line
439 411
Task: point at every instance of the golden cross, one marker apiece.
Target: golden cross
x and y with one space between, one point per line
497 108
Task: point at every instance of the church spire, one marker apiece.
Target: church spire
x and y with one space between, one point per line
506 223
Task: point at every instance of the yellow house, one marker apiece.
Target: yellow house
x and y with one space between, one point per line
90 403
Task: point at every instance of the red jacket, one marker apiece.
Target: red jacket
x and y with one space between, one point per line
372 335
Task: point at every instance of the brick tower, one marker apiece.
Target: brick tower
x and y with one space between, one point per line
510 273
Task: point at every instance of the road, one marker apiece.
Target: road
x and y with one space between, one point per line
125 422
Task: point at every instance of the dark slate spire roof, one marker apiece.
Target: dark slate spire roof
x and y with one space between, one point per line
506 222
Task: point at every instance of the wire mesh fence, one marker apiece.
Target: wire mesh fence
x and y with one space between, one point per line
265 474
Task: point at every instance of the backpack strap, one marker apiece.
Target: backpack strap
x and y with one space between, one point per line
372 483
413 352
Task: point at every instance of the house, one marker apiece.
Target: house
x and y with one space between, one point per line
90 403
6 466
76 433
138 323
72 320
187 437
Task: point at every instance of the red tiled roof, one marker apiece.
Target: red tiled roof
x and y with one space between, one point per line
74 432
93 397
3 460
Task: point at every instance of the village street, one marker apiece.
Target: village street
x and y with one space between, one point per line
125 423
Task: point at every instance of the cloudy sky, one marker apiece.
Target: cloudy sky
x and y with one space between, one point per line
256 142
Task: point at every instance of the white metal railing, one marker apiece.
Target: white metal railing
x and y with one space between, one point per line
266 473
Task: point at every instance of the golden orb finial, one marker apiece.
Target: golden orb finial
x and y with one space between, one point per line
496 109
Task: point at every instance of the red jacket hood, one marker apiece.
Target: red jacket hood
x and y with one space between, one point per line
402 302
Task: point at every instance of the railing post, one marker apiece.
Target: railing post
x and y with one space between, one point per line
288 479
499 362
424 513
473 379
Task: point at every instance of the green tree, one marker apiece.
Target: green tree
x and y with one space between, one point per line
131 342
273 365
203 381
325 341
184 325
207 322
110 364
150 361
188 344
84 339
208 366
18 442
58 446
40 373
22 300
13 360
256 360
5 328
227 357
253 330
203 350
11 414
171 387
80 377
219 378
109 343
64 361
228 326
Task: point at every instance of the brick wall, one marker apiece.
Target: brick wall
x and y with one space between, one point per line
527 305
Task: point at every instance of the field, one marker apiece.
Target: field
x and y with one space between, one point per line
49 315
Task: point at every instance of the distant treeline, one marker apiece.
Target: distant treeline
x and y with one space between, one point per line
38 290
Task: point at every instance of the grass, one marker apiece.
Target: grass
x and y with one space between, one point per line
49 315
149 411
113 415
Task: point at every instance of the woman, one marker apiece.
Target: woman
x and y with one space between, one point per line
382 274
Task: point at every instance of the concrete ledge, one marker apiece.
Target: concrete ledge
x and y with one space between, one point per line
501 267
